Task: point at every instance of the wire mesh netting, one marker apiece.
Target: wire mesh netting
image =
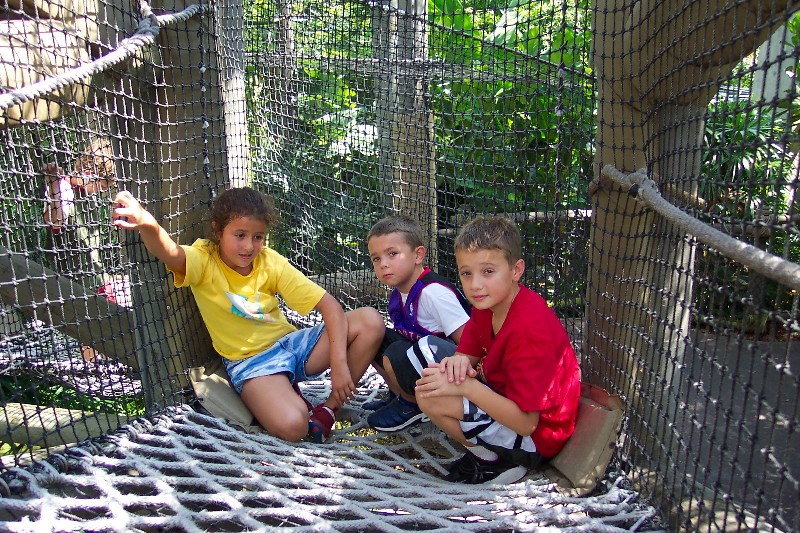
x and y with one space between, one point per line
647 151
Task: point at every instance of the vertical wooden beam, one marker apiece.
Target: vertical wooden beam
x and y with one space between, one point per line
175 158
405 124
230 47
652 94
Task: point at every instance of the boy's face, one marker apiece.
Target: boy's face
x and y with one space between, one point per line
396 263
488 280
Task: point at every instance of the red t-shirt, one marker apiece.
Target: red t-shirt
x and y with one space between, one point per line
531 362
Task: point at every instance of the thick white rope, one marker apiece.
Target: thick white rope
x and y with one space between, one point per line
644 189
186 471
145 36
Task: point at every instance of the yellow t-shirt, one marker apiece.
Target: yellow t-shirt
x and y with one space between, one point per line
241 312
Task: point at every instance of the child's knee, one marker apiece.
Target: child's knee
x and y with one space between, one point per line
287 420
366 324
390 376
367 321
426 405
292 427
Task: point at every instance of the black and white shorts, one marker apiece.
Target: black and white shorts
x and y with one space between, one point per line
480 428
409 358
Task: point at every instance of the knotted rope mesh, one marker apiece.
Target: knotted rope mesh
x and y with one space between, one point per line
186 471
346 111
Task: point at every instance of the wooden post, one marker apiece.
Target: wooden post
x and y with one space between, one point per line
174 174
651 90
405 124
230 48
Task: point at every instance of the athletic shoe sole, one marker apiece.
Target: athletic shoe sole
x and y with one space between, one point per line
512 475
470 470
416 419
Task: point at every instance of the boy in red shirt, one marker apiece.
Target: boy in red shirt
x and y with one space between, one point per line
510 393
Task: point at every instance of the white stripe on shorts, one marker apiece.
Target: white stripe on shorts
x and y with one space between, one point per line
422 349
477 424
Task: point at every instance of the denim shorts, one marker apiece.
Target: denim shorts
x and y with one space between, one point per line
288 355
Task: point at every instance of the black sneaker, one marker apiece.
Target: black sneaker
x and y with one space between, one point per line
377 403
473 471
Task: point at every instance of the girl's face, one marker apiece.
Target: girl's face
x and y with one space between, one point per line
488 280
240 242
395 261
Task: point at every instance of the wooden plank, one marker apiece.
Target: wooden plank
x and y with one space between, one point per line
40 293
37 425
532 216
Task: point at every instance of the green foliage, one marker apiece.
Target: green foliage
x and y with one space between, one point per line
47 390
746 168
516 37
513 144
520 144
524 142
14 448
746 174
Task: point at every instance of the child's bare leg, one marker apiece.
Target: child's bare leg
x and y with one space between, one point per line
276 406
446 412
391 380
381 370
365 329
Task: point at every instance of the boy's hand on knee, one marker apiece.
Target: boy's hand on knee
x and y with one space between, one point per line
435 383
457 368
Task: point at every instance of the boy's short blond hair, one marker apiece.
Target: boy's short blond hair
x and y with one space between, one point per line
407 226
491 233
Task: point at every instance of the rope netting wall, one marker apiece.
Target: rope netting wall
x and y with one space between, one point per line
647 151
86 113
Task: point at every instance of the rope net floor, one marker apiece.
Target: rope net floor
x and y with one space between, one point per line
186 471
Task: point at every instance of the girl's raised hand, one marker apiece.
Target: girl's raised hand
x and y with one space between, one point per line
128 212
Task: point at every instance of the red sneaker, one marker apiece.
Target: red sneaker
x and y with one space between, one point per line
296 388
320 422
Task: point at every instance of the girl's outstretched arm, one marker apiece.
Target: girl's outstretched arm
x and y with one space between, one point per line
129 214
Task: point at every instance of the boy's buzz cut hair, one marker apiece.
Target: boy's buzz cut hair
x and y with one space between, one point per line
491 233
407 226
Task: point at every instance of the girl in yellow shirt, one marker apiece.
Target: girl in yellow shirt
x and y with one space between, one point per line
235 279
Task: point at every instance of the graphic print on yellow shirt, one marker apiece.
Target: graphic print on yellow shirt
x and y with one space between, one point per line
243 307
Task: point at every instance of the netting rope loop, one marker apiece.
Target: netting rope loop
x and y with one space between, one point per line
645 190
145 36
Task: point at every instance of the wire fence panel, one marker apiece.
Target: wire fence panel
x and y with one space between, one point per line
648 153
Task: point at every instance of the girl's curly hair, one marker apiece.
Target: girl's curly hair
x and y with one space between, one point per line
241 202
